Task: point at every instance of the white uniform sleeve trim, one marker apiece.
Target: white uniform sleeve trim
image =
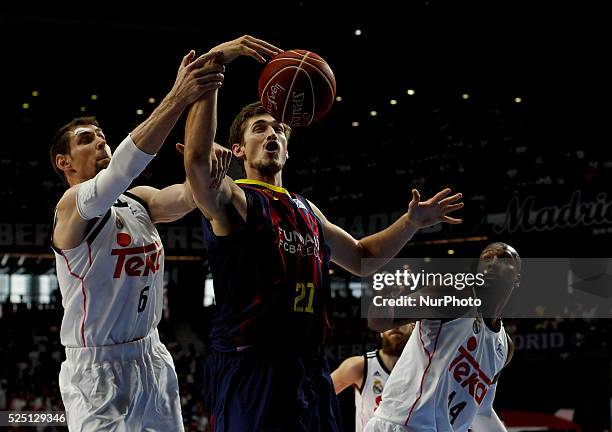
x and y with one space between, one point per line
97 195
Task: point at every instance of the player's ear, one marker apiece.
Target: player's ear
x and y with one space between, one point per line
63 162
238 150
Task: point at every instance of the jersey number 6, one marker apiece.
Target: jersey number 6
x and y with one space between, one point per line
142 302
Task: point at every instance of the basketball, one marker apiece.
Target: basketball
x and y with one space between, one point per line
297 87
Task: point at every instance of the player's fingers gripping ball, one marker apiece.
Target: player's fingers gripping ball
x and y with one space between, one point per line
297 87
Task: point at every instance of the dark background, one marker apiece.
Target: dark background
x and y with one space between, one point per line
491 148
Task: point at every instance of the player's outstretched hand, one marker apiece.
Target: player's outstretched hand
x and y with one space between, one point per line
245 46
196 77
423 214
222 158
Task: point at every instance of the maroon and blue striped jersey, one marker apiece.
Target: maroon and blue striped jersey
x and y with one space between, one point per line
271 277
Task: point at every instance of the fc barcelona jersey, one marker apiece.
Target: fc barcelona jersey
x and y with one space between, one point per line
271 277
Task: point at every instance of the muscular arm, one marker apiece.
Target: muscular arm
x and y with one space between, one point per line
199 158
220 200
94 197
168 204
151 134
349 373
348 253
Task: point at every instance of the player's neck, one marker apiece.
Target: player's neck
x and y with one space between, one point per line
74 180
274 180
388 360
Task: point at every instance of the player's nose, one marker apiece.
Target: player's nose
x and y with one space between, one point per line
271 134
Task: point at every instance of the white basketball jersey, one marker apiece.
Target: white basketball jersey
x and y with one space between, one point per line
367 398
112 283
444 376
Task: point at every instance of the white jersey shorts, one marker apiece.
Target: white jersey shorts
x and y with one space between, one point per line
124 387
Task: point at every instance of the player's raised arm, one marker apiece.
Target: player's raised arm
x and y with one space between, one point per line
348 252
205 168
94 188
205 164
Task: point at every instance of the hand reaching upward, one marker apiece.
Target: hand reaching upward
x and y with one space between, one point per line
423 214
245 46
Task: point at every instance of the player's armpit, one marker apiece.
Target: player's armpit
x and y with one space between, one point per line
69 226
345 249
225 208
349 373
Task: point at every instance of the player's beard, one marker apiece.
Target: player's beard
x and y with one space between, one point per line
102 164
393 347
268 167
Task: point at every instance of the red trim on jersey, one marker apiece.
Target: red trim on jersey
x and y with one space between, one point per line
82 290
426 369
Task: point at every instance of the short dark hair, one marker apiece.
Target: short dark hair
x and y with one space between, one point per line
61 140
237 129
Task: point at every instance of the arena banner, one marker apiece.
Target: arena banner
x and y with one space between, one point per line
35 237
527 214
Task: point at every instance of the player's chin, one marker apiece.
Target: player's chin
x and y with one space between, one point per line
102 164
396 349
269 166
396 340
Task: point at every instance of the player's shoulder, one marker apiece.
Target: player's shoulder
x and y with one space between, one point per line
318 213
355 363
68 197
67 205
356 369
354 360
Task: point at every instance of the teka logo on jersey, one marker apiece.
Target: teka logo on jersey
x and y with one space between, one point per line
141 263
466 372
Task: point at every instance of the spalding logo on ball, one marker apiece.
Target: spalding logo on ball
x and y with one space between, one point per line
297 87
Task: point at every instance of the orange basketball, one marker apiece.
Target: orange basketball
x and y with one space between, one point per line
297 87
